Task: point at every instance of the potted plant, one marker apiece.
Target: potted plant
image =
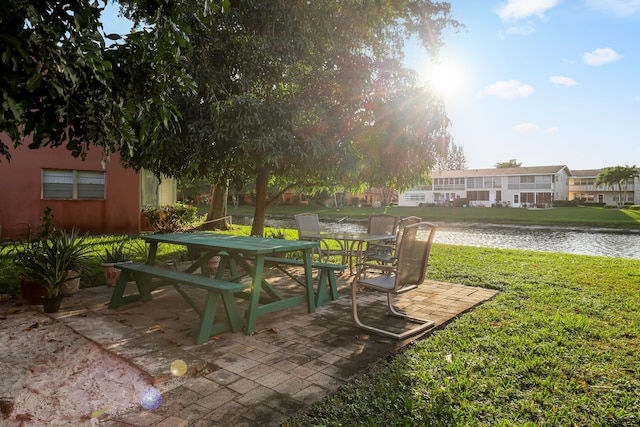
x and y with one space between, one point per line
8 275
117 252
276 234
49 262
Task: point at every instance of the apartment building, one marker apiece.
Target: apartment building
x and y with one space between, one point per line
582 186
535 186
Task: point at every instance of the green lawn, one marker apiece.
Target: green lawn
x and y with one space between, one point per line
557 347
577 217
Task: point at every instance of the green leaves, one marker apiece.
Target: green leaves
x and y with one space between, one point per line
63 85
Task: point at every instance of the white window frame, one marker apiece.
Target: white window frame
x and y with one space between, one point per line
76 179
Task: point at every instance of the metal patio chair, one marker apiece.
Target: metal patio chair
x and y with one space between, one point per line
405 275
309 224
385 253
381 224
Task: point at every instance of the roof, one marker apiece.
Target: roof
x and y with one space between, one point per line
523 170
587 173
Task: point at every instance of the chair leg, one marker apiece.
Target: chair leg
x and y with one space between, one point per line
423 323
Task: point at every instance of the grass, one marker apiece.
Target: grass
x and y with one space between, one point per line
575 217
558 346
93 275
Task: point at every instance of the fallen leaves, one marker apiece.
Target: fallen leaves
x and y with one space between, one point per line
272 330
32 327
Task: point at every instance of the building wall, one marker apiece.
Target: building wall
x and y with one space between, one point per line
584 188
21 202
495 186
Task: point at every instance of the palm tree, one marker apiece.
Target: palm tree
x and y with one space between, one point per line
618 178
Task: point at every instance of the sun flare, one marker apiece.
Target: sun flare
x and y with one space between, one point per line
447 77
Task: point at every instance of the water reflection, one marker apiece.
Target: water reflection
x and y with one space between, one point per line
572 241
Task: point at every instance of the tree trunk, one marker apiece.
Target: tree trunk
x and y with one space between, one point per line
216 218
262 193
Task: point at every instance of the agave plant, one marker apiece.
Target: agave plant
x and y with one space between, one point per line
118 252
49 260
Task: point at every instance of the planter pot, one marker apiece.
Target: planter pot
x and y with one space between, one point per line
32 291
51 305
212 265
111 274
71 286
145 225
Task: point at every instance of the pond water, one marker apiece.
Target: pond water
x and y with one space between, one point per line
597 242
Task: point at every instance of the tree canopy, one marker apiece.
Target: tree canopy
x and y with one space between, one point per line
62 84
618 178
513 163
306 94
453 159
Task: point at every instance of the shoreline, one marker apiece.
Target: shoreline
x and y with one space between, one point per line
474 225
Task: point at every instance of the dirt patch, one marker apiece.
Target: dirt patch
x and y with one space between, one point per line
52 376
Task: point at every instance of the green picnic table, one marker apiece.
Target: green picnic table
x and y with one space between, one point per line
246 252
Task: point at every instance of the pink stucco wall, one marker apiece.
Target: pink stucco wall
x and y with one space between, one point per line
21 204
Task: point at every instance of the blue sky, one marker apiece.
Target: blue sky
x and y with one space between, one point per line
545 82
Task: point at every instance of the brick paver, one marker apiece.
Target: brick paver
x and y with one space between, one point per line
292 361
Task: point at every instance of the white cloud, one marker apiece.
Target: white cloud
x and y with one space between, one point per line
515 10
601 56
562 80
620 7
526 128
509 89
522 30
553 130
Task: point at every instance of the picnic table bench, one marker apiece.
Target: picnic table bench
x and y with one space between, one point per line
327 280
237 252
216 289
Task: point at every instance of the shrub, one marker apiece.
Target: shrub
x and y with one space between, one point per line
566 203
171 218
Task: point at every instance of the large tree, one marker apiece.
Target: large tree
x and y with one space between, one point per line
513 163
453 159
62 84
619 178
306 94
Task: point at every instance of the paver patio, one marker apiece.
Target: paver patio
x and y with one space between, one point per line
293 360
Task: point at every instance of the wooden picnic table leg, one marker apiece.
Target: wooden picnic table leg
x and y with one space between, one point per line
117 298
143 284
308 274
153 250
207 318
326 279
254 297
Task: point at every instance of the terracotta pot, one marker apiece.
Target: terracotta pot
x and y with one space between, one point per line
212 265
51 305
111 274
32 291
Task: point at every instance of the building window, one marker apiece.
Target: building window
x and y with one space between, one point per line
528 198
478 195
544 199
415 197
492 182
475 182
73 184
